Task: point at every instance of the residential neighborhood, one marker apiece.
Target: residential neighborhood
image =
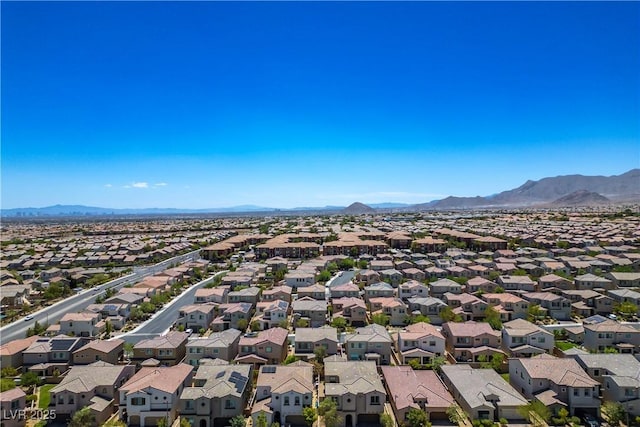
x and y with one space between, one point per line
334 321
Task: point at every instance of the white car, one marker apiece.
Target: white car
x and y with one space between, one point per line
28 317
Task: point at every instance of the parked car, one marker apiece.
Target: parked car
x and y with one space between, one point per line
590 421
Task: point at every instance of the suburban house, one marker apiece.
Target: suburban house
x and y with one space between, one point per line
412 288
624 280
153 393
522 338
440 287
556 382
216 295
607 333
420 389
314 292
12 402
315 311
357 389
553 281
219 345
368 277
469 340
379 289
516 283
48 354
271 313
249 295
470 307
264 347
394 308
348 289
83 324
282 392
353 310
420 342
220 391
196 316
591 281
371 342
618 378
11 353
509 306
554 305
427 306
168 349
307 340
94 386
299 278
278 293
232 315
483 393
110 351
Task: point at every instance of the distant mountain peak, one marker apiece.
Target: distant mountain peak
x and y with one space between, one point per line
581 198
358 208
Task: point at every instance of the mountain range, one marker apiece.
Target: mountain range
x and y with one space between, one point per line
567 190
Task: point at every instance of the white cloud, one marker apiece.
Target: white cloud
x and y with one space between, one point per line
161 184
108 185
140 185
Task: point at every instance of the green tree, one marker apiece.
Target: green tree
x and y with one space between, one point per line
310 415
242 324
339 323
538 408
162 422
615 411
534 312
255 326
83 418
437 363
626 309
380 319
261 420
237 421
324 276
386 420
328 410
128 349
7 384
362 264
8 371
108 328
320 353
346 264
447 315
302 323
29 379
417 418
184 422
455 414
492 317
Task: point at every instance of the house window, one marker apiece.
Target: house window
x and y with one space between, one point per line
138 401
576 392
229 404
60 400
286 401
268 349
188 404
296 401
71 400
375 399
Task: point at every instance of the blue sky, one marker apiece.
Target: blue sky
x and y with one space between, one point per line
279 104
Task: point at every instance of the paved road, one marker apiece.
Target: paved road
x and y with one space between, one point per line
52 314
341 279
161 321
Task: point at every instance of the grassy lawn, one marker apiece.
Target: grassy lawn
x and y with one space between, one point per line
45 396
565 345
505 376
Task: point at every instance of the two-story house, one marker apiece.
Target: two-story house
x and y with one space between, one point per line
264 347
217 295
412 288
353 310
371 342
153 393
168 349
316 291
556 382
509 306
468 306
219 345
271 313
94 386
220 391
521 338
282 392
315 311
307 340
377 290
348 289
421 342
232 315
394 308
440 287
357 389
427 306
554 305
283 293
110 351
196 316
83 324
469 340
605 334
